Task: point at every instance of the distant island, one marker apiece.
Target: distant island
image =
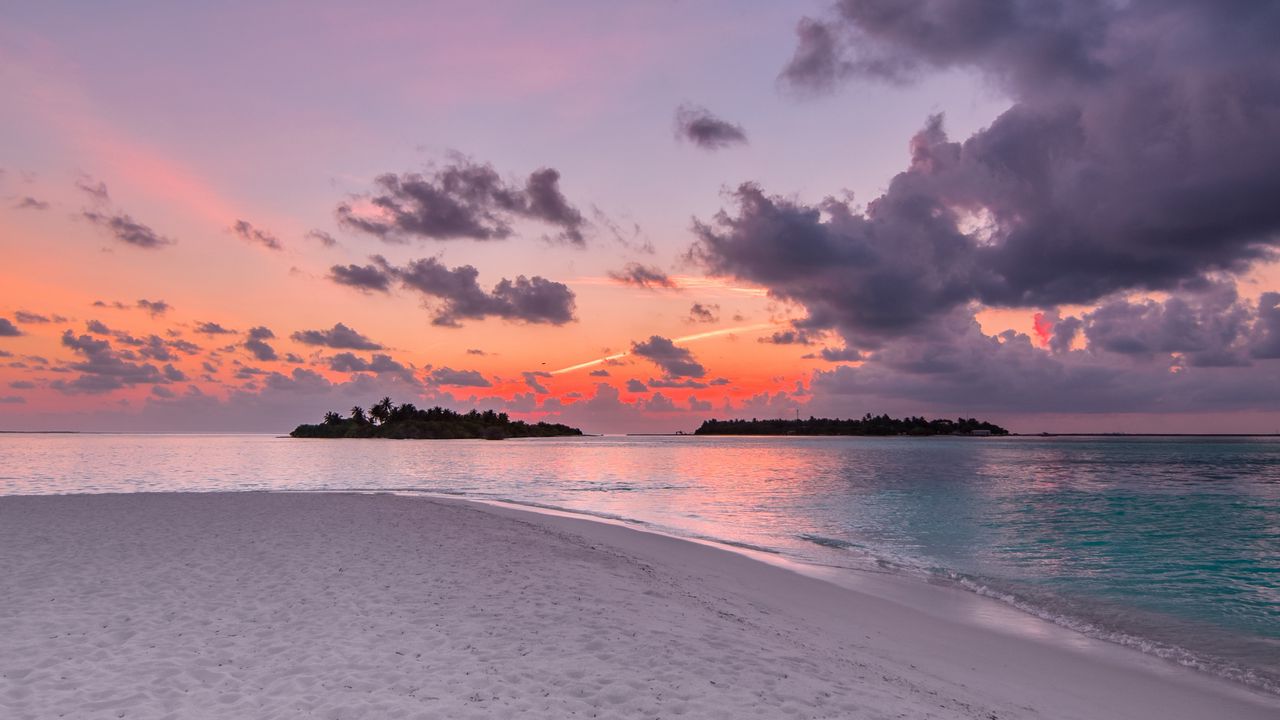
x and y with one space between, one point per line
406 422
868 425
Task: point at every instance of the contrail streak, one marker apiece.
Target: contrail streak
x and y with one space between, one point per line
685 339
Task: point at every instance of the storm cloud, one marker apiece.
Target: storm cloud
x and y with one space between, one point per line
8 329
1122 164
462 199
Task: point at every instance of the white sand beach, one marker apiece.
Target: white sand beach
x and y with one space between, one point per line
260 605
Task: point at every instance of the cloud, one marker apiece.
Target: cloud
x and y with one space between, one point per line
599 373
97 327
12 400
700 127
339 337
96 190
379 364
701 313
257 344
155 307
124 228
30 203
459 296
1117 167
8 329
30 318
531 380
247 232
103 368
642 276
458 378
1266 342
476 351
463 199
212 328
365 278
675 362
322 237
636 386
22 385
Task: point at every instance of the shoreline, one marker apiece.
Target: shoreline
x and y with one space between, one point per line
744 633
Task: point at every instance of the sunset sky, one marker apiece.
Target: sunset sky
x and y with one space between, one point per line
1058 217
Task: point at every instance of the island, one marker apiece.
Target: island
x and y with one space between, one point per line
385 419
868 425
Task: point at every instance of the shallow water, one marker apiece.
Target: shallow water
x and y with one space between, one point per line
1169 545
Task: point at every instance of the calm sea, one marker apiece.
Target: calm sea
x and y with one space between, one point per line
1168 545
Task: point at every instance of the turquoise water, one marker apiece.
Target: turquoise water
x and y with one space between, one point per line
1168 545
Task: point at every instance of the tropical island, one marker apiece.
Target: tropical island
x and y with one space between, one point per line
868 425
385 419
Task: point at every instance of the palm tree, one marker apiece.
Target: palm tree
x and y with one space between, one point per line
382 411
357 414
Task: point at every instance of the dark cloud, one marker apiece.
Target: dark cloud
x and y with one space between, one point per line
701 313
247 232
257 344
12 400
700 127
30 203
97 327
844 354
8 329
102 368
30 318
788 337
531 379
1119 166
322 237
675 362
643 276
1186 354
1209 328
599 373
212 328
1266 341
458 378
127 230
379 364
476 351
458 295
155 307
366 278
462 200
636 386
670 383
22 385
339 337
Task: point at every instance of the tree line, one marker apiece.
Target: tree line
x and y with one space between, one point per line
385 419
868 425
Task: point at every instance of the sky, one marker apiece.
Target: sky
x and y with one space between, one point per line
631 217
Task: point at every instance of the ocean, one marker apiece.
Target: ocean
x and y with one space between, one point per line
1168 545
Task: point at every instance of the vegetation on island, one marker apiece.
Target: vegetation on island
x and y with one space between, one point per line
385 419
868 425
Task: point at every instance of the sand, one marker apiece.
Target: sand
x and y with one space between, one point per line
260 605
